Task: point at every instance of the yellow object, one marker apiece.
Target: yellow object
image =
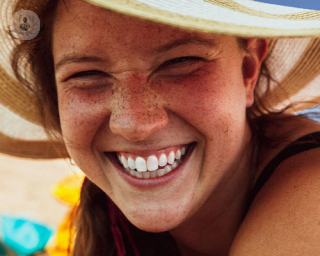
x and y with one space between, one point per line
67 190
63 241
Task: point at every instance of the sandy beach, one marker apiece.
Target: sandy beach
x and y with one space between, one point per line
25 188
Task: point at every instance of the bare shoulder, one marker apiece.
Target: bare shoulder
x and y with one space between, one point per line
284 219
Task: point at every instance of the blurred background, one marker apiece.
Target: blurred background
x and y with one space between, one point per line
25 188
27 193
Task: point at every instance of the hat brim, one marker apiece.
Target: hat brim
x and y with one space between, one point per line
233 17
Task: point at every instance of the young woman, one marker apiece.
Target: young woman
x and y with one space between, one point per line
168 119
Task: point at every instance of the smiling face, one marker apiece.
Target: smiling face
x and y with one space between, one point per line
139 91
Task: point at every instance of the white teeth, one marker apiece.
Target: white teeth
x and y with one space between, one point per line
163 160
160 172
146 175
149 169
174 165
131 163
183 151
153 174
139 174
167 169
124 162
178 154
141 164
152 163
171 157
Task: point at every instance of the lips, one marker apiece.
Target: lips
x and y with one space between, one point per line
154 165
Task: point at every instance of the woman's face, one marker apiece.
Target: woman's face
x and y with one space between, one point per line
141 91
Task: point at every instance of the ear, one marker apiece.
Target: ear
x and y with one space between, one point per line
256 51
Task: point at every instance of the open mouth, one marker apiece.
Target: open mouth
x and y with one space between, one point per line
153 166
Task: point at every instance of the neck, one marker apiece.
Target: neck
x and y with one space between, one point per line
210 233
212 229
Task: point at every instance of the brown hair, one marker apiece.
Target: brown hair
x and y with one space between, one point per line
94 230
36 55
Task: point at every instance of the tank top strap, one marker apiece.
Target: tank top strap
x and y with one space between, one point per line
304 143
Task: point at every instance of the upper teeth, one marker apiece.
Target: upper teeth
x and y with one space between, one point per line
150 163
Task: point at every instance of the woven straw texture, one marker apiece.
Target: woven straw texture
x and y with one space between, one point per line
294 58
233 17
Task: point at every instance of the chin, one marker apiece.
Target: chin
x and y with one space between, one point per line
159 217
152 226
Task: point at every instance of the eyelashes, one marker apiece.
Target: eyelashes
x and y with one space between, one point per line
174 63
178 62
89 73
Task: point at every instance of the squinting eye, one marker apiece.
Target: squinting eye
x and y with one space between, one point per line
182 61
88 74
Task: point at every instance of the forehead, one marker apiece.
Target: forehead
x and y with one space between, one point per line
102 20
83 24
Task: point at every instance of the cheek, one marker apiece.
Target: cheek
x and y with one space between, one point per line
209 102
82 114
215 106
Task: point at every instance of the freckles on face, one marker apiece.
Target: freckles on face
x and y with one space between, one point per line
134 103
211 97
127 98
76 108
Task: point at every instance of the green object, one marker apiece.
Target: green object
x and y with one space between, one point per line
24 236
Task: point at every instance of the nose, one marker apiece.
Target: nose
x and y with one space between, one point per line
137 112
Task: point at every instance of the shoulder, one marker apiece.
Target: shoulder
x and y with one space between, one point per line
284 218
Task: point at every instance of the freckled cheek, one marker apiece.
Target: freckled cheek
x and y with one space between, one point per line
205 101
81 119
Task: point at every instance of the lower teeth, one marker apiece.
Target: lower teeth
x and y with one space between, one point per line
157 173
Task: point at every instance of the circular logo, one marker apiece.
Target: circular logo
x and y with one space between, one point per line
25 25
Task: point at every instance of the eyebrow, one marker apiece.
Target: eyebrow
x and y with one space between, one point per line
67 59
195 40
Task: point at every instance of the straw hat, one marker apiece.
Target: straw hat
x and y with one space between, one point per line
294 57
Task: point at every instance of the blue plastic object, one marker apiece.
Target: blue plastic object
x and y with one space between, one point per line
24 236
